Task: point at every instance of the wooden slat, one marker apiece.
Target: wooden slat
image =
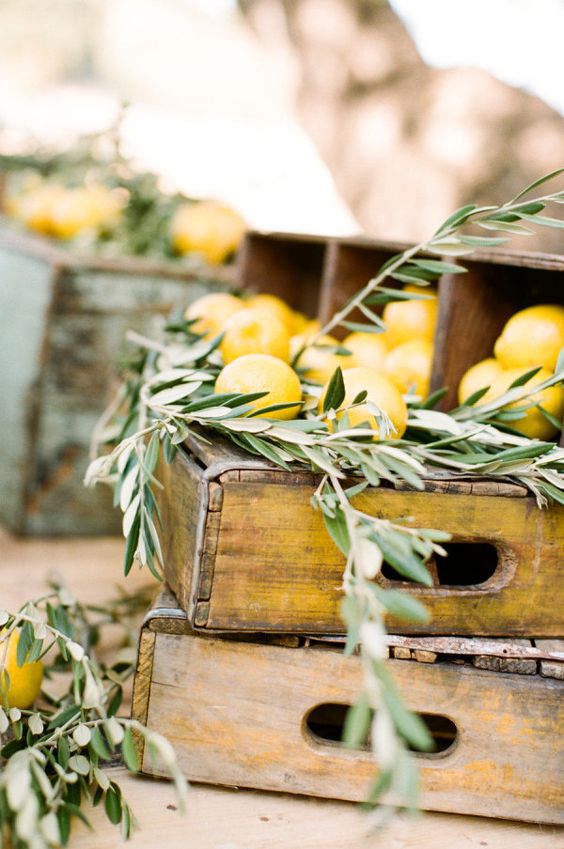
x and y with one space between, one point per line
284 265
183 506
236 712
276 570
550 667
493 647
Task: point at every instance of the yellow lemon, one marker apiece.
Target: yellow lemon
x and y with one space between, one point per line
381 392
253 331
35 209
534 424
105 205
208 228
274 305
300 340
301 322
263 373
409 366
319 364
24 681
532 337
367 349
80 210
407 320
477 377
212 311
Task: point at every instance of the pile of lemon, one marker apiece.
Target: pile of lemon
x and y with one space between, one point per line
532 338
262 335
209 229
53 209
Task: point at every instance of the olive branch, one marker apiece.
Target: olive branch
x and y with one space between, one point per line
53 757
172 393
407 267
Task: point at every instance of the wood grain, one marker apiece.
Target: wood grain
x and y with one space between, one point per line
59 352
347 268
269 565
217 817
286 265
183 505
236 713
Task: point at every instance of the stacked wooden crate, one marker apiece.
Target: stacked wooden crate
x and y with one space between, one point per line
64 320
241 663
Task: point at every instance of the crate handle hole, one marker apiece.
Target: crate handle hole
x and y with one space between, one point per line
467 564
324 724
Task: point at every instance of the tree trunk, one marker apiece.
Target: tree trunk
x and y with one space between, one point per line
406 144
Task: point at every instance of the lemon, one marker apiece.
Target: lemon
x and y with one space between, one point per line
320 363
534 424
407 320
301 322
409 366
212 311
208 228
367 349
254 331
24 681
263 373
532 337
79 210
274 305
381 392
478 376
300 340
35 209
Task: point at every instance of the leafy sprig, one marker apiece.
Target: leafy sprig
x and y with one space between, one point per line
172 396
54 756
450 239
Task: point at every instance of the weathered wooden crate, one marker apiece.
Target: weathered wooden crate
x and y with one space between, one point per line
269 716
63 321
319 275
244 550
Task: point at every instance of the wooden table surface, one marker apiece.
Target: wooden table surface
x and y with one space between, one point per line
231 819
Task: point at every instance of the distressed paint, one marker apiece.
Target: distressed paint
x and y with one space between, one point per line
265 563
63 332
236 714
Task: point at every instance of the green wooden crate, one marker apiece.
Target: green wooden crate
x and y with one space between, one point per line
63 321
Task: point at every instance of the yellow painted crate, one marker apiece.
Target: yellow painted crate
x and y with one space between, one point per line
245 551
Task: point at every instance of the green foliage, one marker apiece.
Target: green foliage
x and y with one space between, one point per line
53 756
163 404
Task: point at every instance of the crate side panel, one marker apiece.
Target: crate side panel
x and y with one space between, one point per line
93 310
25 295
474 307
348 267
236 714
183 507
276 569
284 265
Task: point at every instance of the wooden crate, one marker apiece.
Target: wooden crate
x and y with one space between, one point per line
270 717
319 276
64 321
244 550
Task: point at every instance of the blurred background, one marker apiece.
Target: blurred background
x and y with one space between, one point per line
327 116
